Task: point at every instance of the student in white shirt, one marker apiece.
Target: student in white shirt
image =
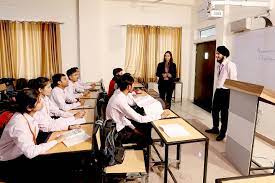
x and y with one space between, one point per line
19 135
226 70
60 96
81 84
46 123
131 126
73 88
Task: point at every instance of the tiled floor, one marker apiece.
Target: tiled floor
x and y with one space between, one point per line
191 168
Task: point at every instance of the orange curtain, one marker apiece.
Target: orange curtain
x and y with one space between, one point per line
51 49
8 54
29 49
145 47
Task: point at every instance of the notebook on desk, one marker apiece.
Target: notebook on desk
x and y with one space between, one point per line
174 130
74 137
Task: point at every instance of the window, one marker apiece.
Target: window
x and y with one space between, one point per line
208 32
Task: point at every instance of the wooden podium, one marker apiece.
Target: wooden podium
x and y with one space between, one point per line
243 111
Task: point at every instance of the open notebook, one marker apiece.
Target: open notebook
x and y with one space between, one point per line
174 130
74 137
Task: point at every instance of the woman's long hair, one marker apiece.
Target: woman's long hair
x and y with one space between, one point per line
171 59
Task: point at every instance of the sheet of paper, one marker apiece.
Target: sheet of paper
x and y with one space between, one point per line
74 137
174 130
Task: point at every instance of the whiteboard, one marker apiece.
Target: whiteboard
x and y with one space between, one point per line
254 54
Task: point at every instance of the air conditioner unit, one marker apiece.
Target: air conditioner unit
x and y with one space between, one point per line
214 14
241 25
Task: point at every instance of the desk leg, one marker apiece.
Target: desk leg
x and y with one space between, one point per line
178 156
205 161
166 163
181 93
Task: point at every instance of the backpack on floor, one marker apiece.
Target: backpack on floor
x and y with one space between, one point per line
111 151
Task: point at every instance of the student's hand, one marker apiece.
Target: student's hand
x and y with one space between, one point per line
165 114
71 127
93 85
79 115
82 102
60 139
86 93
169 75
164 75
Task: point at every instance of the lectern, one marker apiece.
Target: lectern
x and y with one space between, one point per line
243 110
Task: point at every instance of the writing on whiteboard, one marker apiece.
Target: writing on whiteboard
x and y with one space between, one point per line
266 55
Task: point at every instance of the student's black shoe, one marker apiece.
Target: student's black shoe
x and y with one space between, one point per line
220 137
213 131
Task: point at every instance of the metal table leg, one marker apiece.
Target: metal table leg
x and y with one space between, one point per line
205 161
178 156
166 164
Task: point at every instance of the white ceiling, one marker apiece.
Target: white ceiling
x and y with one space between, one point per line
168 2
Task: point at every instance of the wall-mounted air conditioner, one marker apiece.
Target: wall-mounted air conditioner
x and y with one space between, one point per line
241 25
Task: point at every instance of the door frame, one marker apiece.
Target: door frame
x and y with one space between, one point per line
196 42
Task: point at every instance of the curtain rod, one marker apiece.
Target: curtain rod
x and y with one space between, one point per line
123 25
32 21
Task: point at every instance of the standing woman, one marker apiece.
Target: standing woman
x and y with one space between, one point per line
166 73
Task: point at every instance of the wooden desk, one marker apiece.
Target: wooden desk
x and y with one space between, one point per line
153 93
91 111
171 114
269 178
194 136
95 89
62 148
89 114
89 102
91 95
137 85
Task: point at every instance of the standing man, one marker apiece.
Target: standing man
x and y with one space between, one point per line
226 70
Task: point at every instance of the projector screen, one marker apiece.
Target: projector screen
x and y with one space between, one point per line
254 54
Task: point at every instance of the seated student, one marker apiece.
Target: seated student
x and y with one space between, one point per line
21 83
72 87
117 72
81 84
19 136
60 96
31 83
43 117
131 126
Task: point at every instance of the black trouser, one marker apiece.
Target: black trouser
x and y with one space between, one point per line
166 90
221 104
127 135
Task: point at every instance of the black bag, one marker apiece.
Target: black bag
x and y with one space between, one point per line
111 151
139 110
102 102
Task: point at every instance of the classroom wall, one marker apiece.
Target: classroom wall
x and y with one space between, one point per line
106 23
49 10
224 37
223 34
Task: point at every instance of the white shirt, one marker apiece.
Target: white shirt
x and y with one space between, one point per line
48 124
118 109
60 97
73 90
52 109
226 70
17 139
83 85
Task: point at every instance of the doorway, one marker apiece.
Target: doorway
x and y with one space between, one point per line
204 74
